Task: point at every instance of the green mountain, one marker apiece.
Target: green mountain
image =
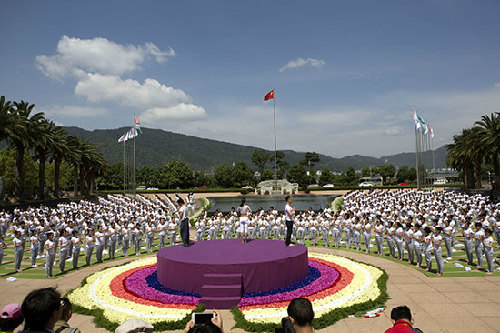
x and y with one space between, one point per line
155 147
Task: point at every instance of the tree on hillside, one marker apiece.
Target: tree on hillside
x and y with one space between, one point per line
310 159
366 172
176 174
260 158
224 176
387 171
326 177
402 174
297 174
351 175
242 175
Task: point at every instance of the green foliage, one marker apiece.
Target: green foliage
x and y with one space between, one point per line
366 172
8 171
176 174
260 158
351 176
387 171
267 174
326 177
236 176
224 176
297 174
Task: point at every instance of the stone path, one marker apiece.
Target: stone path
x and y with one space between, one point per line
466 304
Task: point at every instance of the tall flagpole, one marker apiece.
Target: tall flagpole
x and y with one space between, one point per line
275 155
124 188
416 157
133 171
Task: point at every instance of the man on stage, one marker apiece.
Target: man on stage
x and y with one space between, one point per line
183 216
289 217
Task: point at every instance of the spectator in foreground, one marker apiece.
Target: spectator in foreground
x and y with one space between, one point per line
41 309
12 317
402 320
301 314
62 325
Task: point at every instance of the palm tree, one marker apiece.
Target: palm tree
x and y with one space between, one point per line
490 139
10 124
459 158
23 139
74 146
43 144
59 150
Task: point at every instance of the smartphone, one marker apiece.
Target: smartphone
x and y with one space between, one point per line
203 318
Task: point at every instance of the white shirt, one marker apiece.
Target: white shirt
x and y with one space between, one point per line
289 212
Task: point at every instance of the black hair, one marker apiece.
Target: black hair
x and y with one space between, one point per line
427 230
39 306
300 309
66 307
286 198
180 201
10 324
401 312
243 201
488 231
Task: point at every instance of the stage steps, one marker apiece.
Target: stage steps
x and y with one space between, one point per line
221 291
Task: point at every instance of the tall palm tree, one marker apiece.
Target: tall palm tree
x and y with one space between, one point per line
459 158
23 139
45 141
10 124
58 151
74 145
490 139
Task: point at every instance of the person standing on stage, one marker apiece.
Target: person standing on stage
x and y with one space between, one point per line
184 224
243 210
289 217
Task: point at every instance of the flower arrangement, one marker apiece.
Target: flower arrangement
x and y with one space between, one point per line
336 286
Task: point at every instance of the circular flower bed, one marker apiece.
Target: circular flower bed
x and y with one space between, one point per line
336 286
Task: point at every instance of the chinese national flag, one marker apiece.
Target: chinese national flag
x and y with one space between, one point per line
137 120
269 95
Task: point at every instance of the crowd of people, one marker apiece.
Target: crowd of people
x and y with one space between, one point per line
413 225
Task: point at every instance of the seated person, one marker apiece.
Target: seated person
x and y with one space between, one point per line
12 317
300 315
402 320
62 325
41 309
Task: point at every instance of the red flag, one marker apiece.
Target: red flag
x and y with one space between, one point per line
137 122
269 95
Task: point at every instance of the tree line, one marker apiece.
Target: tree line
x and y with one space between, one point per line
35 144
476 148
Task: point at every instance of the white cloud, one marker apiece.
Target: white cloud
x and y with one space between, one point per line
75 56
98 66
303 62
102 88
182 111
71 111
395 130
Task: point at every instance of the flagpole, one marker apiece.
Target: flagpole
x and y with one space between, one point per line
275 155
124 189
133 171
416 157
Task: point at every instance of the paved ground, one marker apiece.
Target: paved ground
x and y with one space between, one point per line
468 304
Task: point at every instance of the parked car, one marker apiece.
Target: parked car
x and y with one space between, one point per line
201 187
403 184
314 185
329 185
440 182
247 187
140 188
366 185
152 189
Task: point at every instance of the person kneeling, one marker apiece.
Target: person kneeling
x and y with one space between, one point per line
402 320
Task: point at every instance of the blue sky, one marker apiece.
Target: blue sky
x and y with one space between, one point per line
347 73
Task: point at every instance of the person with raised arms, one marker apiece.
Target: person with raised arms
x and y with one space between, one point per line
243 211
289 219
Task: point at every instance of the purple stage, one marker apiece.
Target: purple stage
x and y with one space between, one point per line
221 270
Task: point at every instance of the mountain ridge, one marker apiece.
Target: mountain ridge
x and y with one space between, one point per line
206 154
